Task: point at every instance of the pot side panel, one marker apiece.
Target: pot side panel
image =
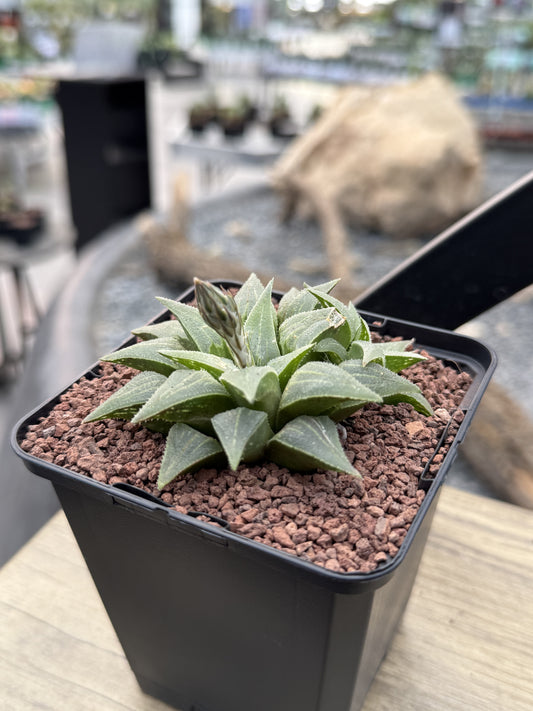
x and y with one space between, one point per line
203 627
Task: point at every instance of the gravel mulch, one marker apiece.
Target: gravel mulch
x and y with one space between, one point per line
337 521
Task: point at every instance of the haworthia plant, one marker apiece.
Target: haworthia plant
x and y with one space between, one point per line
236 380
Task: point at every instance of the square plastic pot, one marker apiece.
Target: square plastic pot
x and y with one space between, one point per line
212 621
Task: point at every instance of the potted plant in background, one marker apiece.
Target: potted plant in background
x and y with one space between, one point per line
248 107
203 113
22 225
277 582
199 117
157 49
280 120
233 120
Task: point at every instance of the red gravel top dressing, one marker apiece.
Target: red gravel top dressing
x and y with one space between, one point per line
334 520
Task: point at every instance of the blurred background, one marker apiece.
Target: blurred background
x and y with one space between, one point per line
146 141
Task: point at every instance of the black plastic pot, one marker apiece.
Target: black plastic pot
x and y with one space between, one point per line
212 621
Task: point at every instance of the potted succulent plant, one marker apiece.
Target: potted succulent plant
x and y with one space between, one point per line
254 516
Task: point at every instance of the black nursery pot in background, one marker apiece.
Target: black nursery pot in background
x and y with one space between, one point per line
212 621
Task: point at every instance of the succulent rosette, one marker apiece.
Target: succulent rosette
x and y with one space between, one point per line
236 379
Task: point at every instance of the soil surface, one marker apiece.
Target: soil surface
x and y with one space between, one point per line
337 521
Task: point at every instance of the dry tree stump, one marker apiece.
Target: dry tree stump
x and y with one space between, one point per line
499 446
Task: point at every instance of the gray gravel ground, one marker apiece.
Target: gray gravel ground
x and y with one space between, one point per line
247 228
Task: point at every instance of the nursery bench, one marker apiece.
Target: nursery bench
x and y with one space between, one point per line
464 642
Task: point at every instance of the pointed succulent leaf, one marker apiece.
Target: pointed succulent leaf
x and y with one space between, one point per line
391 387
184 395
401 361
364 334
158 426
308 327
256 387
326 287
202 337
397 357
214 365
289 304
358 324
286 364
296 301
145 356
243 433
307 443
187 450
317 387
358 350
348 311
332 349
344 409
165 329
248 295
391 355
127 400
261 329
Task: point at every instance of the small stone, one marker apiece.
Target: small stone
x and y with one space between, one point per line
324 540
282 537
274 515
340 533
299 537
278 492
414 428
382 527
250 514
363 547
290 509
313 532
333 564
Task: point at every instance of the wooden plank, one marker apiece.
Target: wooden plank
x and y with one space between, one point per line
57 647
499 446
464 643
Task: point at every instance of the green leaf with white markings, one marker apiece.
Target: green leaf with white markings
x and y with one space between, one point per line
364 334
165 329
261 329
187 450
145 356
256 387
296 301
391 387
348 311
390 354
332 349
307 443
214 365
248 295
317 388
124 403
243 433
309 327
202 337
185 395
286 364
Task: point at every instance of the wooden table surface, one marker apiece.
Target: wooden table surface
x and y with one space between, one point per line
465 642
